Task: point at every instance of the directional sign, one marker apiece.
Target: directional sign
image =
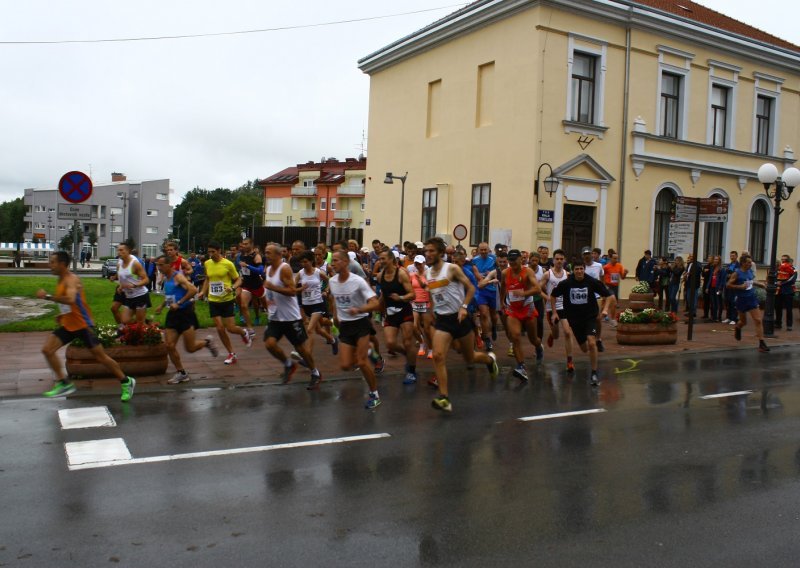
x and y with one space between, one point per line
72 212
681 236
712 209
75 187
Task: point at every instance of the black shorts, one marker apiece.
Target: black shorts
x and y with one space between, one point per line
582 329
86 335
351 331
294 331
449 324
181 320
119 297
320 308
138 302
221 309
406 314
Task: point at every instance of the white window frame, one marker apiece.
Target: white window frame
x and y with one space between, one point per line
732 86
363 205
152 212
295 203
271 203
775 95
162 196
683 96
597 48
116 228
767 229
115 211
323 203
151 230
333 204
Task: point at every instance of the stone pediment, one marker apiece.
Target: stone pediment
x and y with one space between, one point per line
585 169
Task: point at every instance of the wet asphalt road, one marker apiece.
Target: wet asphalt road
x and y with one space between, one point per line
663 477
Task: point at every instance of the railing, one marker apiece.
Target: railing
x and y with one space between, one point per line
302 191
308 214
342 214
350 189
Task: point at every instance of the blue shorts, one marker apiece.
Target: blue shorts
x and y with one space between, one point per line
746 302
486 298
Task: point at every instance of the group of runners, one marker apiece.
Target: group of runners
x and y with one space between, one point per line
430 299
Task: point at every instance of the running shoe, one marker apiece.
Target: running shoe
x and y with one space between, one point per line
488 343
334 331
373 402
539 353
211 347
372 356
737 334
726 320
410 379
288 373
594 380
434 382
335 346
600 347
314 383
442 403
494 370
127 389
521 372
178 378
762 347
422 351
231 359
379 366
60 389
299 358
570 367
550 340
430 353
510 351
251 332
247 339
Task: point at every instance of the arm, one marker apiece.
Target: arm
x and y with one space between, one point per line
289 288
535 289
405 280
186 268
458 275
68 298
372 301
491 278
139 271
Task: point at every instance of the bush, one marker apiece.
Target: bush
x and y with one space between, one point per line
110 335
648 315
642 287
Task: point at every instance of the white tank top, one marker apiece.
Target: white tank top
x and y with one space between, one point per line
125 276
280 306
447 295
552 282
313 293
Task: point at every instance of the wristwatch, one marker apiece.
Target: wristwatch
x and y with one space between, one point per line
465 306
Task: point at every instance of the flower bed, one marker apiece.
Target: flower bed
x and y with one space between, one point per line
648 327
641 297
138 348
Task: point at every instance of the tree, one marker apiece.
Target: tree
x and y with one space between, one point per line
12 221
237 218
92 238
69 239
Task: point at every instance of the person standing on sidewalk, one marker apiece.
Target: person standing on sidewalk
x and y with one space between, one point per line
352 301
219 287
784 300
75 322
181 319
743 281
676 273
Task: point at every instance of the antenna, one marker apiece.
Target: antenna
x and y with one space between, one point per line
90 171
363 146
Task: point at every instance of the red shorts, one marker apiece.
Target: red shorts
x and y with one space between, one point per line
259 292
522 312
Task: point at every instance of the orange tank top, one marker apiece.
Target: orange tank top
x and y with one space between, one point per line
74 316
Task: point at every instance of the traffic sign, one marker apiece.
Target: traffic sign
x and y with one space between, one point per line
712 209
75 187
73 211
680 238
460 232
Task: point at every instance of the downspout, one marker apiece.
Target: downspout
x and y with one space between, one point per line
624 149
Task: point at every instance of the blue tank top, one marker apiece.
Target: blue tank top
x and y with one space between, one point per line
173 293
745 277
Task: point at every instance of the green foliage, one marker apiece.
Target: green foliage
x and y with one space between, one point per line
12 221
92 238
641 287
68 239
648 315
237 218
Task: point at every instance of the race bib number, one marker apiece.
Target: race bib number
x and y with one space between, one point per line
216 288
307 294
748 285
64 308
615 278
438 298
579 296
420 306
169 300
516 296
245 271
343 301
393 310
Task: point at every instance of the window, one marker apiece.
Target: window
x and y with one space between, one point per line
583 87
764 113
428 213
152 212
308 183
714 236
333 204
150 250
274 205
41 225
152 230
670 104
295 203
169 213
719 115
663 214
758 231
432 126
160 196
116 210
479 230
323 204
363 205
485 97
41 209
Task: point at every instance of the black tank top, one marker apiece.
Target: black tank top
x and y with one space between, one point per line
389 287
249 279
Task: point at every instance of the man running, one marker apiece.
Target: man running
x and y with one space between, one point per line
133 283
518 286
219 287
580 293
487 296
552 278
75 322
352 302
593 268
251 269
181 318
285 318
451 293
396 296
178 262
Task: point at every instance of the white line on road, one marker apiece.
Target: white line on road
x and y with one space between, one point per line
725 394
103 461
91 417
560 415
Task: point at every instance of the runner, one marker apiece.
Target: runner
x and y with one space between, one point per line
219 287
310 281
352 301
133 282
75 322
285 318
251 268
594 269
518 287
423 314
178 262
550 280
613 274
181 318
482 264
743 280
451 292
396 295
580 293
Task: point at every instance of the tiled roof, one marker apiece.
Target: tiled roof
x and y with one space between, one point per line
330 178
284 177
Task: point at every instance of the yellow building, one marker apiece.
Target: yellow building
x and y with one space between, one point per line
631 103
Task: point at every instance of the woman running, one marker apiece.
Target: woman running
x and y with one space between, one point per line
743 281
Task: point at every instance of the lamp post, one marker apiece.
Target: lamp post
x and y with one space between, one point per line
784 185
550 182
49 226
390 179
111 234
189 246
124 199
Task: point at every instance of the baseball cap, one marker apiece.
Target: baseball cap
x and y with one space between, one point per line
396 254
586 250
419 244
352 255
419 258
499 246
514 254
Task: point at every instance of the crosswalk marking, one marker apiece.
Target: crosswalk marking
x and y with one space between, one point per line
725 394
560 415
90 417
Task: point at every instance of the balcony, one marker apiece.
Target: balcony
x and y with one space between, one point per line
343 215
308 214
302 191
355 189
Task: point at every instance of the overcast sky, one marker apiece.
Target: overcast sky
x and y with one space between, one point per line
212 111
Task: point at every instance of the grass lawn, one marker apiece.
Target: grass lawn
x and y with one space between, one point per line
99 293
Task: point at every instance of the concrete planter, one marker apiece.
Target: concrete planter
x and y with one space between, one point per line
638 302
646 334
135 360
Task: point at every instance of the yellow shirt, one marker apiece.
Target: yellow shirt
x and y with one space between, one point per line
220 275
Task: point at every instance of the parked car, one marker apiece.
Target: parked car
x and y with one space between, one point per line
109 268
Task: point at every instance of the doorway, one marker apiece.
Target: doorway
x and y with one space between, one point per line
578 230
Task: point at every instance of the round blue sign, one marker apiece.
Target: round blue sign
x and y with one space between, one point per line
75 187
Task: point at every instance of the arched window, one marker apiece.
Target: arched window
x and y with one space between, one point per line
758 231
714 236
663 213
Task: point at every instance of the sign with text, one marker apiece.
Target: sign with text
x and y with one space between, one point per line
681 238
711 209
546 216
72 212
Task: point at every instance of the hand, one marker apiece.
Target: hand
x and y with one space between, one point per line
395 296
242 264
228 290
174 306
462 313
353 311
41 294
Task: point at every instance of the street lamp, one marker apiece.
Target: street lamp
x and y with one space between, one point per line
550 182
784 185
124 199
49 226
390 179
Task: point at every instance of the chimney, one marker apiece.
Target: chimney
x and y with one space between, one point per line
116 176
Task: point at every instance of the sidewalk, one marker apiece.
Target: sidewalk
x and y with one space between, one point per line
24 372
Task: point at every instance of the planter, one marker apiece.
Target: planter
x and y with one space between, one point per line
135 360
646 334
638 302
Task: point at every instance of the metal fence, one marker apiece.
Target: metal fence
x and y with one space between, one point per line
309 235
